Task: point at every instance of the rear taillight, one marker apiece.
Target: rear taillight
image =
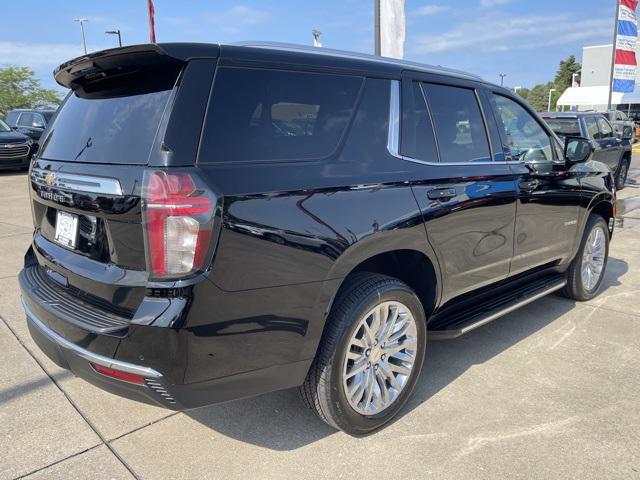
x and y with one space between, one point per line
178 217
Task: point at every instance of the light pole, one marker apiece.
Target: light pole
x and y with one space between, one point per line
502 75
551 90
81 22
115 32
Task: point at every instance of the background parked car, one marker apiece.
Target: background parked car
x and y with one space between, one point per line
30 122
609 147
15 148
621 123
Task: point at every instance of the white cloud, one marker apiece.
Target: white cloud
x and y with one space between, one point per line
494 33
36 55
238 18
429 10
493 3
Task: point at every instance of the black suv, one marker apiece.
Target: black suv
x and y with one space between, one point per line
214 222
611 148
15 148
30 122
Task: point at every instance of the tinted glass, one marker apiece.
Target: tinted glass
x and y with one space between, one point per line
458 123
276 115
525 137
592 127
118 129
4 127
12 117
564 127
47 116
26 120
418 140
605 128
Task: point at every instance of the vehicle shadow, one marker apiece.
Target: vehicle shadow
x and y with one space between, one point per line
280 421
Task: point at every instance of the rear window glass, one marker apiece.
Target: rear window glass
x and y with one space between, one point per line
459 125
418 140
113 121
258 115
564 127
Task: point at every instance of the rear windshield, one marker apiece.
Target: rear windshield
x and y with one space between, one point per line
564 127
258 115
114 123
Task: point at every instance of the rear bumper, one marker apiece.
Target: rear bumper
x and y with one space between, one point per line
163 350
79 360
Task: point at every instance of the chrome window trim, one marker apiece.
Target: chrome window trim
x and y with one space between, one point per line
91 357
77 183
393 138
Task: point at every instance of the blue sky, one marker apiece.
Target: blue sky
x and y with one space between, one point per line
524 38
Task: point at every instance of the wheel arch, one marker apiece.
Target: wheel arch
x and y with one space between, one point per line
417 268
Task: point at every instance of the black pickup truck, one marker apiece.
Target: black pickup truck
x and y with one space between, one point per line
610 148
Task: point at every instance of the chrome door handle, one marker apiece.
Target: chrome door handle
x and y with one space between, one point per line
442 194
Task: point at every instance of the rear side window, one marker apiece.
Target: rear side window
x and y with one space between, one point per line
12 117
26 120
418 140
262 115
457 119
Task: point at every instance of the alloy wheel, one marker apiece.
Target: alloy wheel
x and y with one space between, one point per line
380 357
593 258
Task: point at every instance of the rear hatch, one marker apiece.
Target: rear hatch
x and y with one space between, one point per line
132 114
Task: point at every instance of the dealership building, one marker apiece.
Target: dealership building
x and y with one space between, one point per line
593 92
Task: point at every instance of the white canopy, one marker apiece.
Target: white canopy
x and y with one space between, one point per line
588 96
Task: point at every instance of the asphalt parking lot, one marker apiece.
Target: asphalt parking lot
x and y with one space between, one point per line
549 391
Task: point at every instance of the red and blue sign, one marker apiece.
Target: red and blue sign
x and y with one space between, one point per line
624 70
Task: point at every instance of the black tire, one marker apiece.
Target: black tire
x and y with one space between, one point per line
323 389
575 287
623 171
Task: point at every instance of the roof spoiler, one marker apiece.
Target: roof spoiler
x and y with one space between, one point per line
114 61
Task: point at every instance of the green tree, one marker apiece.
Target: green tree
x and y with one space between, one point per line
20 89
565 72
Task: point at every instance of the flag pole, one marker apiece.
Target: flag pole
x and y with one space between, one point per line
376 27
152 23
613 53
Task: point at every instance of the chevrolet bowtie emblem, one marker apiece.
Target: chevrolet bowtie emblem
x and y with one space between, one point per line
50 178
9 145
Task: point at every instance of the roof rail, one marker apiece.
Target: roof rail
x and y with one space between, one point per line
292 47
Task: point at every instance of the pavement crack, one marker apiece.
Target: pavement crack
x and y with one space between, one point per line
72 402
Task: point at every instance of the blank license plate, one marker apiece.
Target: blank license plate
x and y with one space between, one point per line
66 229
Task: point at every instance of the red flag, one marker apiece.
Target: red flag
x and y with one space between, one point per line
152 24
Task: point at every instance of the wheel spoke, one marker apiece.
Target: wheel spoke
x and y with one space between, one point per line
401 369
357 368
373 374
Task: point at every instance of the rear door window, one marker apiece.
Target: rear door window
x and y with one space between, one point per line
266 115
458 123
418 139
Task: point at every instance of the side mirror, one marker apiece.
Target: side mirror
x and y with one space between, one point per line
577 150
627 133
